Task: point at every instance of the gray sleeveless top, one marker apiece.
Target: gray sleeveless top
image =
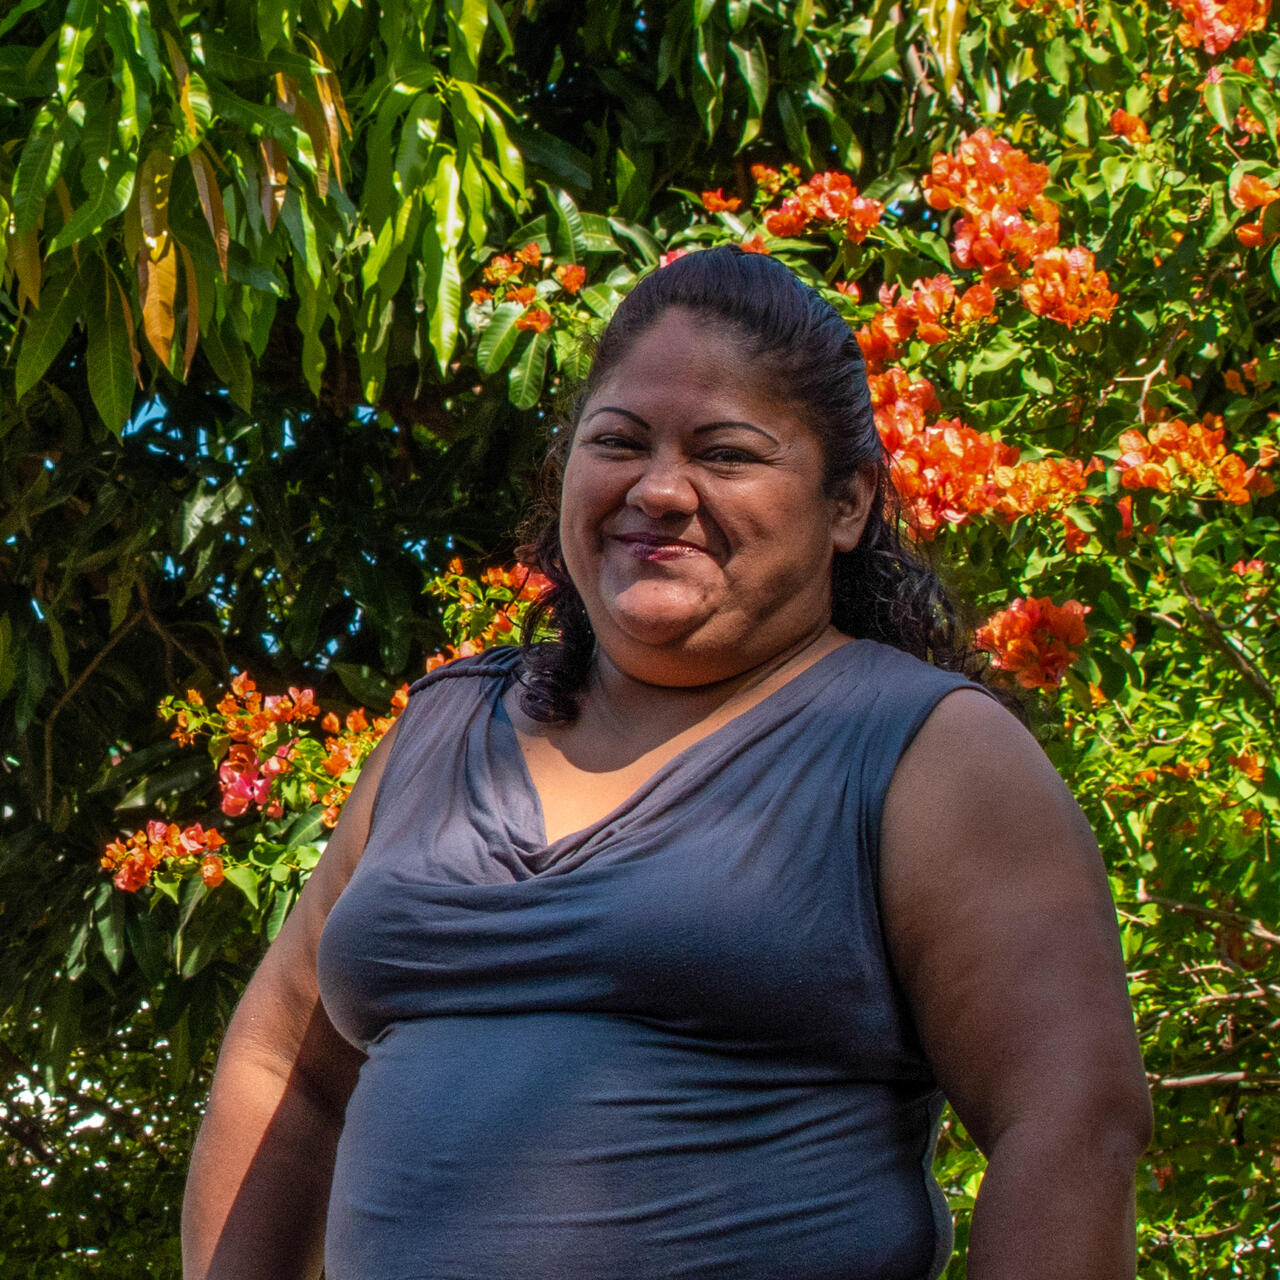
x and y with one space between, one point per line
668 1045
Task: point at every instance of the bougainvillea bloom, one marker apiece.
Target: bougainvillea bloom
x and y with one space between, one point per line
501 269
717 202
571 276
1252 192
1190 457
1065 287
1033 639
1216 24
133 860
530 254
535 319
1129 126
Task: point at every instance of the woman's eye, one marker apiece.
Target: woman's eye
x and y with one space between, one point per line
724 453
611 441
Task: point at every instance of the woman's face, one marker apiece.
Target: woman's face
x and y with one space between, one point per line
694 521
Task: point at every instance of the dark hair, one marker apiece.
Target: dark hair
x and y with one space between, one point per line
880 590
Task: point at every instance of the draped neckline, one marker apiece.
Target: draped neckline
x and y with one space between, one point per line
540 855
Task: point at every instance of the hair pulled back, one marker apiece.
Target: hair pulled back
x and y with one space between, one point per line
803 348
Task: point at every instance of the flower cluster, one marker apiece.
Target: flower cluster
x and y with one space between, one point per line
947 473
1033 639
1125 125
133 861
484 612
271 761
1064 286
920 314
1177 456
1216 24
1009 227
827 201
1250 194
522 278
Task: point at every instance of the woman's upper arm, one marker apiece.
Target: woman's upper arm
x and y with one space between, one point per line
278 1013
1002 929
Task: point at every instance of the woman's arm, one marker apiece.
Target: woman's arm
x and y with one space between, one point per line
259 1181
1003 932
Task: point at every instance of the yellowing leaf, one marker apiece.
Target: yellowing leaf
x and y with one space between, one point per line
157 286
275 180
211 202
153 202
182 73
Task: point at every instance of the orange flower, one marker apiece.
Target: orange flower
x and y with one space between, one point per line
1129 126
1065 287
850 289
977 302
1249 764
501 269
1249 234
754 244
571 276
789 220
717 202
211 870
767 179
666 259
530 254
1191 458
983 170
479 296
1252 192
864 214
1033 637
1215 24
535 319
524 295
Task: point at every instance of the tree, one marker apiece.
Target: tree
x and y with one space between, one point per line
256 398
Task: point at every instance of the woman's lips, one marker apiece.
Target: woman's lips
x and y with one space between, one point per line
656 547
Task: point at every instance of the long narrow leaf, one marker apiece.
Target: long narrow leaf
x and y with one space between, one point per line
47 330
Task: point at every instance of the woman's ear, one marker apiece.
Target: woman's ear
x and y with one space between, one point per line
853 508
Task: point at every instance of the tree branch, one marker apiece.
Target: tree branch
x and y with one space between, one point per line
1236 1079
1215 914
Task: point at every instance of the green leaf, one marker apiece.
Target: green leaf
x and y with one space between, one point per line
245 879
444 285
499 337
38 163
569 237
109 916
78 27
108 201
524 384
1223 101
109 359
24 7
47 330
363 683
753 63
183 776
467 20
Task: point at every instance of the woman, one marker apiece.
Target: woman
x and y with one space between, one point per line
669 938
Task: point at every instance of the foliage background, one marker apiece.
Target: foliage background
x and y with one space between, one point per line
248 412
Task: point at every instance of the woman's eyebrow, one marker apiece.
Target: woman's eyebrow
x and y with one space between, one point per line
706 426
733 422
626 413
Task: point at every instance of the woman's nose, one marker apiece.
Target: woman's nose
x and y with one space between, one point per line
663 488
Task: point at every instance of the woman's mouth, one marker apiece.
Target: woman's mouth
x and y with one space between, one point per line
657 546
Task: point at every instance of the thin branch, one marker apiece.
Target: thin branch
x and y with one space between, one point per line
1215 914
1236 1079
76 685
